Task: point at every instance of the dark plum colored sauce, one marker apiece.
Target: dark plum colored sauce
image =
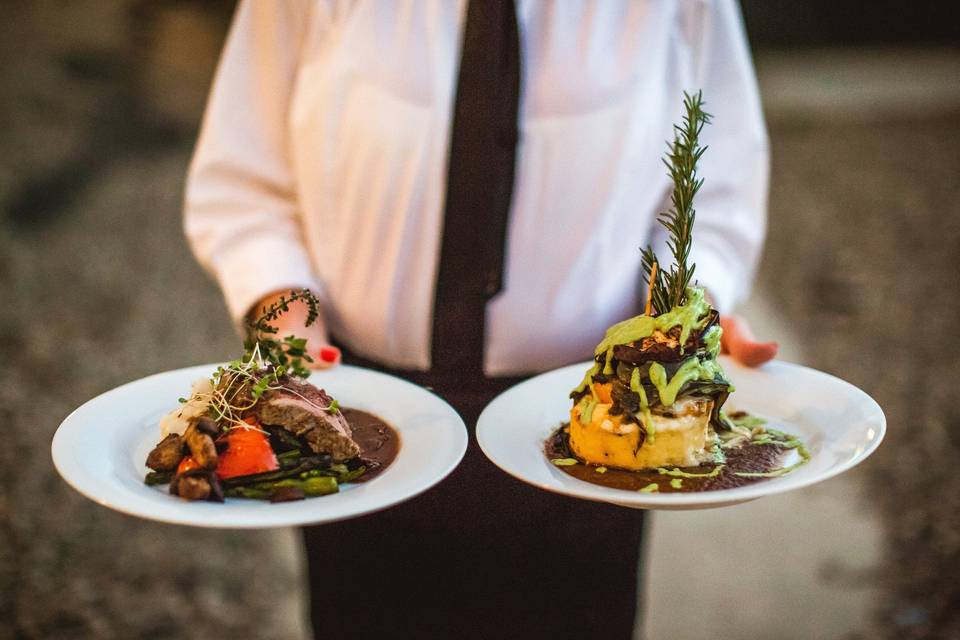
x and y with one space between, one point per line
379 442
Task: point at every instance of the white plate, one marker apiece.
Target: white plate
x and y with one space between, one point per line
840 424
101 447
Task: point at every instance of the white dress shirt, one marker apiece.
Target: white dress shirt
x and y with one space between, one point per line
322 160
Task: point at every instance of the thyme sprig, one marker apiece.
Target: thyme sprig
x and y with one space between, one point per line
290 352
669 287
266 361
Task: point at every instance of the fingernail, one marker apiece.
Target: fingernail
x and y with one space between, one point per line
329 354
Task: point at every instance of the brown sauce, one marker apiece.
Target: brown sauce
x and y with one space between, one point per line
749 458
379 442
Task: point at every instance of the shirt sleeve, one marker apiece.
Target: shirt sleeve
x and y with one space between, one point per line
241 216
731 206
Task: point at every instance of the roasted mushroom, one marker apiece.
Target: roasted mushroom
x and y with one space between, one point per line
166 455
197 484
191 486
201 445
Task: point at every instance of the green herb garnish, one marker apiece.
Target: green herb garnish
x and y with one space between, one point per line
669 288
290 353
239 385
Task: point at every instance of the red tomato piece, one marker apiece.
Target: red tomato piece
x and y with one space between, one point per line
248 451
186 464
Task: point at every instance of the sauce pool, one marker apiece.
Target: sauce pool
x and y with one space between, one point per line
749 458
379 442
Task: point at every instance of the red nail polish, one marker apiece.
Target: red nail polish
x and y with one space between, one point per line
329 354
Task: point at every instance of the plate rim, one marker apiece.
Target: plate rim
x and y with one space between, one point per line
575 488
460 442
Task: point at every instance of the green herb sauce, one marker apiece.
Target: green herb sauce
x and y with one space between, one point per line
679 473
645 416
692 369
687 317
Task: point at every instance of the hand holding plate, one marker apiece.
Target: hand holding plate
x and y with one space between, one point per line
738 341
293 322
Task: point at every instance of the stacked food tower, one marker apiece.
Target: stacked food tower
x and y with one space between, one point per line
654 393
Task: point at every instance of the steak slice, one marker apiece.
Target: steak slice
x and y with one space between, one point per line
303 410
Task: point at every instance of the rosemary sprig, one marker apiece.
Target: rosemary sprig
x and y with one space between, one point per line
669 287
289 353
659 298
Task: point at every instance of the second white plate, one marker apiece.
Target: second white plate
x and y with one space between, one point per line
840 424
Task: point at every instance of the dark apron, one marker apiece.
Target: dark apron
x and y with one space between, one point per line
481 555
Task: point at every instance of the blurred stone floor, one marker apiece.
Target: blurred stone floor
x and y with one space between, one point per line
97 118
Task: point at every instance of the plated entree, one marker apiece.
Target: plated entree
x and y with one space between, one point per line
648 415
258 429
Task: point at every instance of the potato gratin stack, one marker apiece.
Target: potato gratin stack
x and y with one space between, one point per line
653 396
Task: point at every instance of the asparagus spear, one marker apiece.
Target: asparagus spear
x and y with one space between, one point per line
158 477
317 486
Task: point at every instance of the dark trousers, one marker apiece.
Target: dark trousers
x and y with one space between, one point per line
481 555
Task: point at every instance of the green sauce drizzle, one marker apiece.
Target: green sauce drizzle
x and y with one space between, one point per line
586 411
785 440
687 317
748 421
690 370
711 340
588 378
645 416
679 473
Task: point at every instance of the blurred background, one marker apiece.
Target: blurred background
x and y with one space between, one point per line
99 108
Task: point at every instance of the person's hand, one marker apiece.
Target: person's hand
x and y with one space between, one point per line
738 340
324 354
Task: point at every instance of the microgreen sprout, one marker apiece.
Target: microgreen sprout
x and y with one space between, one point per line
264 366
